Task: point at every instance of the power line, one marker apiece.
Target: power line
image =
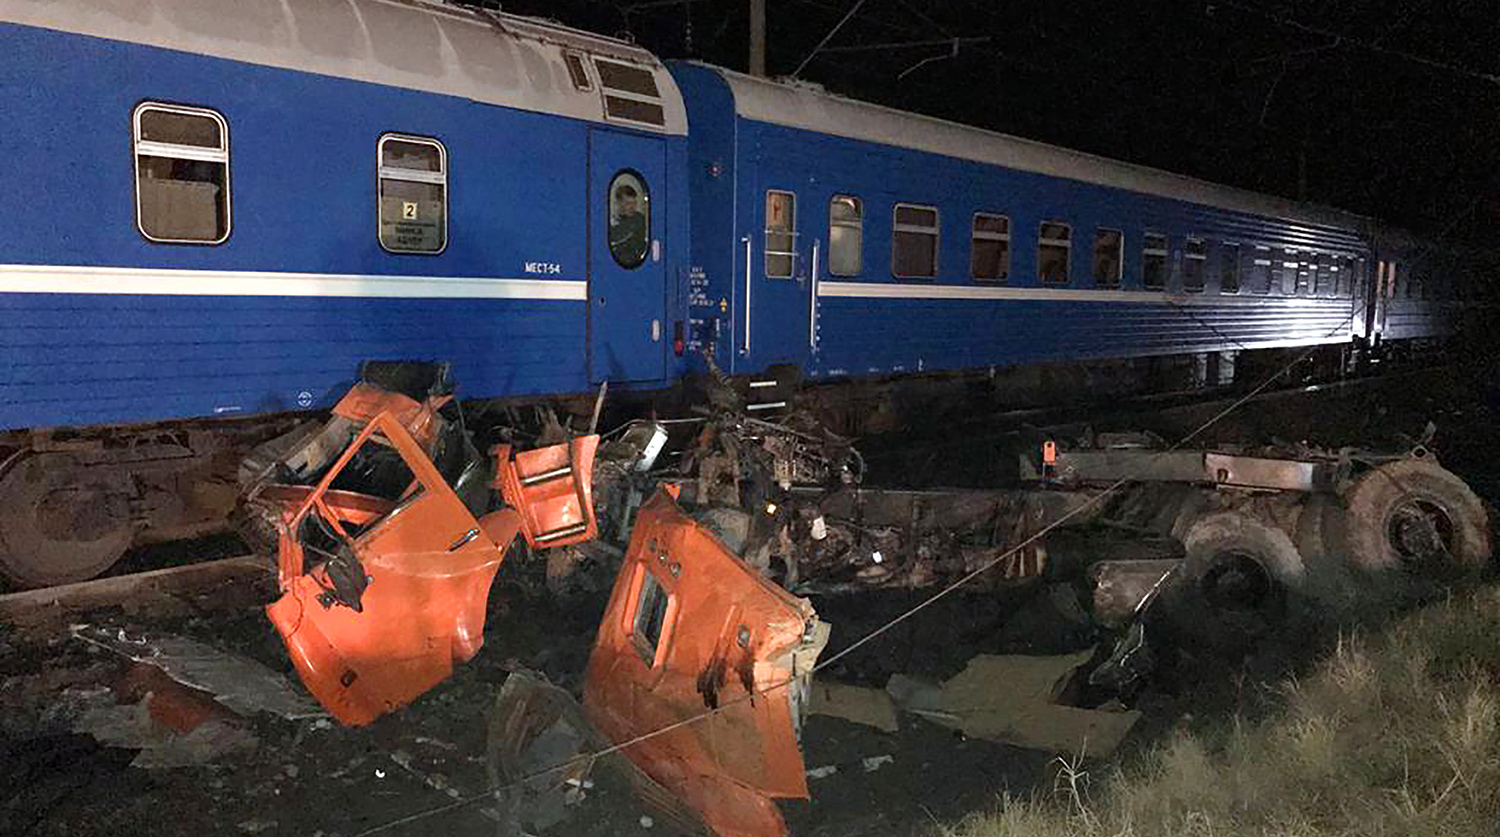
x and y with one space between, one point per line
1372 46
828 37
906 44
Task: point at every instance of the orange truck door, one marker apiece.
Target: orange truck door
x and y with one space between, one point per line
426 566
691 629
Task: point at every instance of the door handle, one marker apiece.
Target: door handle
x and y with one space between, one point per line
812 306
467 536
745 346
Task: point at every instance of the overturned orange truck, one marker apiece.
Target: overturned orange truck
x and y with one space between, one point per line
389 531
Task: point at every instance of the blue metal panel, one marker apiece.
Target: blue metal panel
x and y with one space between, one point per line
869 333
77 359
880 336
711 170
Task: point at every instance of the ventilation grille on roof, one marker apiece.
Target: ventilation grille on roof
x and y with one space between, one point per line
630 93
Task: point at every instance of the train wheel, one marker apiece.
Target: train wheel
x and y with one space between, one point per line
1413 514
61 522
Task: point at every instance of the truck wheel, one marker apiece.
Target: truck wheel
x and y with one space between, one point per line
1238 563
1413 514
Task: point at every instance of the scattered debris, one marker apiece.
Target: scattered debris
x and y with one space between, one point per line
1013 700
134 726
870 764
535 726
240 684
859 704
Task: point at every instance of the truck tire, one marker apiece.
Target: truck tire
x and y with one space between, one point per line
1413 514
1239 562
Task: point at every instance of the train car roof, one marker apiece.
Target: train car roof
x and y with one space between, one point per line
808 106
488 57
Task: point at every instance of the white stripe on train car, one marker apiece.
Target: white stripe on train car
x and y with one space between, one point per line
83 279
906 290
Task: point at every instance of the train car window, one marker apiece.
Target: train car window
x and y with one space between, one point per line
629 212
413 194
1229 268
630 93
1154 251
781 234
181 174
1343 277
846 236
576 71
1281 279
1109 257
914 241
1260 271
1054 246
1323 274
1299 265
989 248
1194 259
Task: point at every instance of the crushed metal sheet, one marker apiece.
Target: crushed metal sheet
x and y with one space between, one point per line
532 727
131 726
859 704
1012 700
242 685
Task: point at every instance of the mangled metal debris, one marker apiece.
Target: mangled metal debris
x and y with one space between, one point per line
389 527
389 534
857 704
240 684
1017 700
691 630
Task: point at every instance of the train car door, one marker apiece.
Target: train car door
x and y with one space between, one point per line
627 272
777 269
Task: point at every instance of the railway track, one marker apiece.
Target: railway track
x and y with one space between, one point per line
201 583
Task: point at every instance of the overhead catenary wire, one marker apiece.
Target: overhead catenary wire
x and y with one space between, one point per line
1362 43
826 38
590 758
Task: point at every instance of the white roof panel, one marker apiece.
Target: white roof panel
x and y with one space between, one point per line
809 107
493 58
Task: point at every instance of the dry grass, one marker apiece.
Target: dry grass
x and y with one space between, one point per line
1395 733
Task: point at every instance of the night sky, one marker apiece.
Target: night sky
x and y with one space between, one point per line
1386 109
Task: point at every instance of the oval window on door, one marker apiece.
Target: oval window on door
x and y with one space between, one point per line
629 219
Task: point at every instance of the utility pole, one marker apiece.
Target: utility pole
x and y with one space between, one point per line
758 37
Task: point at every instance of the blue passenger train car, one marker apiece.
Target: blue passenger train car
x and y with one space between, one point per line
219 208
850 239
227 205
